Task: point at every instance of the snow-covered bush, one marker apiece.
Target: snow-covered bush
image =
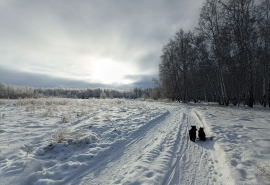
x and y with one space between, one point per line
48 113
2 115
118 101
166 100
81 113
3 102
31 108
27 148
108 117
60 135
102 95
65 119
82 140
78 135
265 170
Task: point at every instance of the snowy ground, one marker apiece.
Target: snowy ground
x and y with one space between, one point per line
115 141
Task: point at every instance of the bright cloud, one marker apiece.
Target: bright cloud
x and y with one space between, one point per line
122 38
108 71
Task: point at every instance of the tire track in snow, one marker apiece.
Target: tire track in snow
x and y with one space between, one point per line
183 162
180 152
146 157
161 147
221 171
194 162
89 175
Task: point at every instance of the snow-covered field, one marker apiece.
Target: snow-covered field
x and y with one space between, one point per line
117 141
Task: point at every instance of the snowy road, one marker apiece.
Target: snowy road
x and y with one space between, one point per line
159 153
117 141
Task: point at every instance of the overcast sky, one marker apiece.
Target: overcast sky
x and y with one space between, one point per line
88 43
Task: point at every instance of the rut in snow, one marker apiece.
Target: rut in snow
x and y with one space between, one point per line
160 154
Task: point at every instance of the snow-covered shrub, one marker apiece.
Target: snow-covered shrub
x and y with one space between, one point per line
40 151
27 148
61 102
31 108
56 101
81 113
105 108
78 135
18 102
2 115
50 111
82 140
108 117
102 95
3 102
49 102
119 101
65 119
265 170
167 100
60 135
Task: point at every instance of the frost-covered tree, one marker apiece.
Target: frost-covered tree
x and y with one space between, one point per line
2 90
102 95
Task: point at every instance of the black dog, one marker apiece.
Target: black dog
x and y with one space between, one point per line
192 133
201 134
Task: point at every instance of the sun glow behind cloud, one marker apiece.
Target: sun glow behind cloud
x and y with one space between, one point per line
108 71
95 42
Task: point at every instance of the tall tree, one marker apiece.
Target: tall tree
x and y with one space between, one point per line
213 26
241 14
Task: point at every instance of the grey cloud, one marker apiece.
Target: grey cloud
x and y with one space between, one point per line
58 35
142 81
150 61
143 84
20 78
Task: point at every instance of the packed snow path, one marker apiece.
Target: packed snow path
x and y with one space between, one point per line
159 153
115 141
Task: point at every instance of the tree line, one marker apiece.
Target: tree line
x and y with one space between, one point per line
15 92
226 58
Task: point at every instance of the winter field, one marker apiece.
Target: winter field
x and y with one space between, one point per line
116 141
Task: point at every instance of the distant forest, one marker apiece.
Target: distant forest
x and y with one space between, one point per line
226 58
15 92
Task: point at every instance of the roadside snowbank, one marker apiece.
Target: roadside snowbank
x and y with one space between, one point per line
243 134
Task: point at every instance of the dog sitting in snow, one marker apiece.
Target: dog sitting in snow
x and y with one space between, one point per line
192 133
201 134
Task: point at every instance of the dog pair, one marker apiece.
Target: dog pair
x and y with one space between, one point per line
192 133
